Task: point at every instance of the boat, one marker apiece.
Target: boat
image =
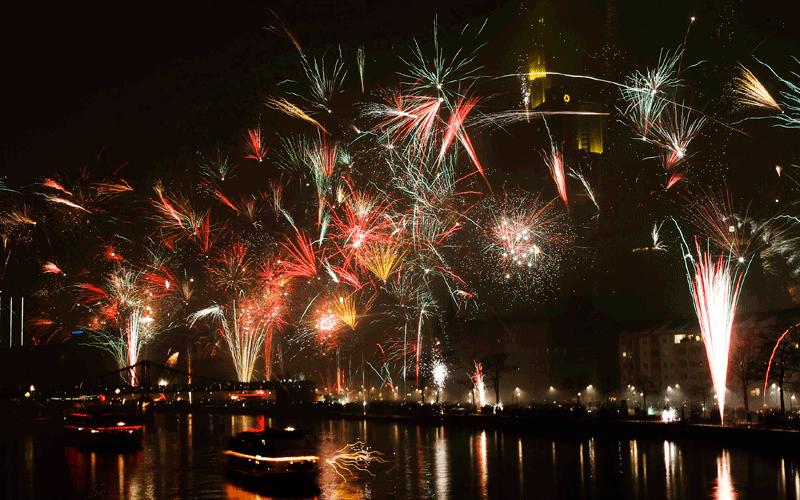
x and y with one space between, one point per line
279 454
104 426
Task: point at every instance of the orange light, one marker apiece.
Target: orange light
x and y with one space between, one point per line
118 428
272 459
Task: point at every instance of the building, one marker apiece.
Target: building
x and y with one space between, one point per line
667 354
672 354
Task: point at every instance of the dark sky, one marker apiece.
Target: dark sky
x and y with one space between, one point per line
154 80
150 82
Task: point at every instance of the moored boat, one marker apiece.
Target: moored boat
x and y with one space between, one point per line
103 426
280 454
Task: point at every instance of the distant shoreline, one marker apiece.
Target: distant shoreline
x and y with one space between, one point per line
543 426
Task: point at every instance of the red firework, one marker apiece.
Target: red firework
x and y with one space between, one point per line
255 147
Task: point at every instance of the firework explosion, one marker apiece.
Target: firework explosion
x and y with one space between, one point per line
366 231
477 379
354 459
715 287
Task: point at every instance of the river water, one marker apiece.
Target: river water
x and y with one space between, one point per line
182 458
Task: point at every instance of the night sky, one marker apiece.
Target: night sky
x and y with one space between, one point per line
151 84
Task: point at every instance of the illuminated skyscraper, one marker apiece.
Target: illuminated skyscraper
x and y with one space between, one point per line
537 82
590 128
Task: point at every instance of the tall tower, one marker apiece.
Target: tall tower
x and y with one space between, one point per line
538 82
590 128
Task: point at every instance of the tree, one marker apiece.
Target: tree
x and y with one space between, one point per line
494 366
645 387
606 386
576 384
701 389
780 359
743 364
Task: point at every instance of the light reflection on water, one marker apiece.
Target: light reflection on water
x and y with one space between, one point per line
724 487
182 458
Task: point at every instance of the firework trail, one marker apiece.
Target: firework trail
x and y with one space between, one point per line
123 305
734 231
365 219
243 329
284 31
318 156
255 146
300 260
408 118
247 305
715 287
674 132
353 459
455 128
324 83
748 91
577 174
15 218
439 372
674 179
360 62
49 267
477 379
284 106
177 218
790 112
382 258
216 166
555 163
655 234
503 119
524 230
441 74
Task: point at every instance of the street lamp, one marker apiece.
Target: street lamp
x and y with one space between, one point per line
517 394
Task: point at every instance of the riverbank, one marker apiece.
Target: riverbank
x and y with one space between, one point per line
550 425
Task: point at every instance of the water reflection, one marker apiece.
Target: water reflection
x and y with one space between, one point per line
583 473
634 458
442 464
724 488
521 468
182 458
796 482
483 466
592 467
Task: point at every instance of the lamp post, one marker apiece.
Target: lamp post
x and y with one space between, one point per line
516 393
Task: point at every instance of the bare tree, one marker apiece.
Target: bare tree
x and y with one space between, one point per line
702 390
576 384
781 358
645 387
495 365
743 365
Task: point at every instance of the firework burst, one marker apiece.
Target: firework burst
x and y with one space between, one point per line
750 92
524 233
353 459
715 285
255 146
